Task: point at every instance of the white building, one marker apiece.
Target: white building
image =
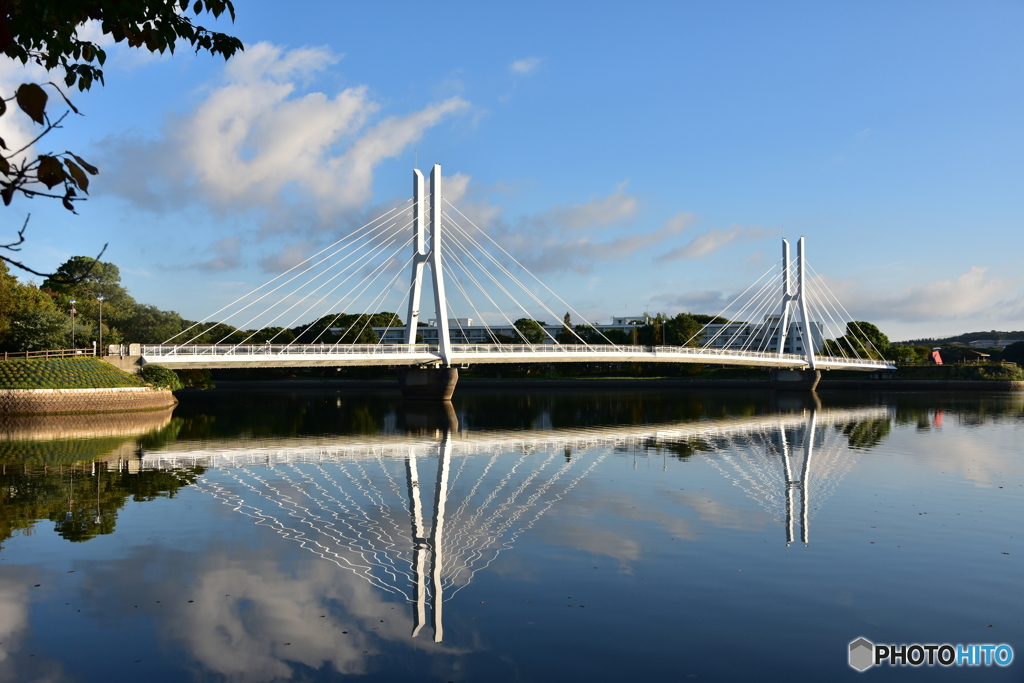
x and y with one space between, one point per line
763 336
755 336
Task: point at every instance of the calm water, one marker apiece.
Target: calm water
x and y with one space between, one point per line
546 536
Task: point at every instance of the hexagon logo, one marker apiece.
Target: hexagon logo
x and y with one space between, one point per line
862 654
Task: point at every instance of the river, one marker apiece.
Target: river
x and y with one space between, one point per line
519 535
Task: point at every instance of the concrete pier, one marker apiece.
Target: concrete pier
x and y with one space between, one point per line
428 384
795 380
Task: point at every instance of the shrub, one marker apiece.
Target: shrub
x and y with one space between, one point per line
195 378
159 376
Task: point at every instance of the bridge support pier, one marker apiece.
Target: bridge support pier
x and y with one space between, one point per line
428 384
795 380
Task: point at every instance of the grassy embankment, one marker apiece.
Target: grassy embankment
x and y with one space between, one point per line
64 373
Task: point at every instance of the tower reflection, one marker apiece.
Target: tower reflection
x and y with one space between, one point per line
346 500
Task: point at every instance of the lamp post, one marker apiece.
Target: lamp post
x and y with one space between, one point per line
73 311
100 300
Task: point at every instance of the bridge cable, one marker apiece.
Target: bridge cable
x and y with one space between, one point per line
351 237
341 272
766 299
840 304
379 270
379 300
376 220
496 282
516 281
376 269
451 270
454 239
818 297
513 259
721 314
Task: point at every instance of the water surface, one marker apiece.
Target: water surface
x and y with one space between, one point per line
534 536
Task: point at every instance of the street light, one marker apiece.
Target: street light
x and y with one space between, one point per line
73 311
100 299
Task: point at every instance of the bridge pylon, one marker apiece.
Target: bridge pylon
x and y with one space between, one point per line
432 257
794 307
428 382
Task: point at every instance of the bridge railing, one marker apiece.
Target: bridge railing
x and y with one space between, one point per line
281 349
291 350
54 353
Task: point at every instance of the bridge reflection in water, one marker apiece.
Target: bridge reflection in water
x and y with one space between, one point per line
361 503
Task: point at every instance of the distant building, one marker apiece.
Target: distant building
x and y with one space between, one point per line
761 336
993 343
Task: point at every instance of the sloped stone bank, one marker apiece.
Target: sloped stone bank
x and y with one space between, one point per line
51 401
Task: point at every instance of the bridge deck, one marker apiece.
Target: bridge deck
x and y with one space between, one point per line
308 355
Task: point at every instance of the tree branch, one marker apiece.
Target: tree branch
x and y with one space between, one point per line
14 246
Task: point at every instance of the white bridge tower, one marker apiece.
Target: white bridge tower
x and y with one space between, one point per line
432 257
795 300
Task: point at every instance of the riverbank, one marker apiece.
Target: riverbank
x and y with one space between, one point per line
74 385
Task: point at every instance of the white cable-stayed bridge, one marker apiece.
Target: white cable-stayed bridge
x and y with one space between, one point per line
787 320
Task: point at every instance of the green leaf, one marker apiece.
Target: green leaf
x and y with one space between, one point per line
50 172
32 100
79 176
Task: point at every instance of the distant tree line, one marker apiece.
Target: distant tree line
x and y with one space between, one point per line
39 317
34 318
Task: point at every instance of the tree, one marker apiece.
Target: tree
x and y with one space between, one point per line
84 279
348 328
566 334
682 330
147 324
1015 353
862 339
531 330
21 302
46 32
39 330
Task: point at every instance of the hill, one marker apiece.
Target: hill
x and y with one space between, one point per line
965 338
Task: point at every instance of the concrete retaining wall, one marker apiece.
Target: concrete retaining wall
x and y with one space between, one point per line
35 401
49 426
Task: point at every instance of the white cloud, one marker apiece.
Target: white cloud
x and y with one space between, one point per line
525 66
714 239
256 142
971 295
570 238
16 128
598 213
706 301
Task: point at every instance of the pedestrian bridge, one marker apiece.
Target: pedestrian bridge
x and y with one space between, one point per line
308 355
787 320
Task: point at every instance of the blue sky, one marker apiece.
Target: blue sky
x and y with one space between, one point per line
640 156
